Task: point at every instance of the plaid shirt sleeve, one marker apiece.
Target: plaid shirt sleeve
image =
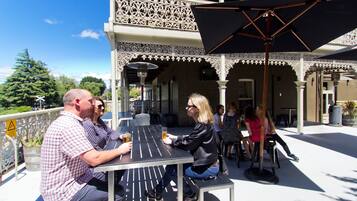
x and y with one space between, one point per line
75 142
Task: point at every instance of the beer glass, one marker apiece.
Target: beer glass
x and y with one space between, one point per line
164 132
126 137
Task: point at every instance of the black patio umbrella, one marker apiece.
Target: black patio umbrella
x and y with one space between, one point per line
348 53
272 26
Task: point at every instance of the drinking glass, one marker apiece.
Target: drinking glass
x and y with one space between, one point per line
164 132
127 137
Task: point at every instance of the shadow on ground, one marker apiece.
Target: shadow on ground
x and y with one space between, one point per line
340 142
349 190
288 174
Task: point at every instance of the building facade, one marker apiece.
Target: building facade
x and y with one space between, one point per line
164 32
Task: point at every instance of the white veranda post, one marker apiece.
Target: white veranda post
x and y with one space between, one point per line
114 106
222 82
300 85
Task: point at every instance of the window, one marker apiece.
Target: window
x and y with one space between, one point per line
245 93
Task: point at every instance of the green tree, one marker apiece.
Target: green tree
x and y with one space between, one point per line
134 92
64 84
31 78
3 102
93 87
95 80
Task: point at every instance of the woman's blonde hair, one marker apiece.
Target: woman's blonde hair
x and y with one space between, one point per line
205 112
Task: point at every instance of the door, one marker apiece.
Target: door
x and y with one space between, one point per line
327 101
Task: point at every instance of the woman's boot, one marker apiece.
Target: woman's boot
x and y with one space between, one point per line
287 150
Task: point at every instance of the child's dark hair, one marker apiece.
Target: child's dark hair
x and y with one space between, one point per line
218 107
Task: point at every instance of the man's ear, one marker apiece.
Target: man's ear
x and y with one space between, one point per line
76 101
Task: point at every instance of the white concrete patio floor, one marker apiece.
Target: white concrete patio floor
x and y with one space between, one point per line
327 170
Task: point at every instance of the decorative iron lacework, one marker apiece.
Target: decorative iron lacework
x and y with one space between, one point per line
175 15
347 39
27 125
128 51
328 67
166 14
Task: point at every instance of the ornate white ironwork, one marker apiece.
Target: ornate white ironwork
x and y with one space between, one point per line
167 14
27 124
176 15
331 67
128 51
347 39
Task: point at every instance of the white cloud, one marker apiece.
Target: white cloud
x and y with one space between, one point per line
51 21
88 33
5 72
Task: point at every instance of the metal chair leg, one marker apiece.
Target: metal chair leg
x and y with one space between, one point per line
277 157
237 154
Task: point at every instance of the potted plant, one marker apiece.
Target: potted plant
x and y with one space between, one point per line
32 151
349 117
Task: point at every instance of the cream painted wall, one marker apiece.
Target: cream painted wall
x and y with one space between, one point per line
284 87
186 76
346 91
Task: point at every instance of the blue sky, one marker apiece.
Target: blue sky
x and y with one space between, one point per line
67 35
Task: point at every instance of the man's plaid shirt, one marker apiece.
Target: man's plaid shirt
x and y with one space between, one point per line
63 173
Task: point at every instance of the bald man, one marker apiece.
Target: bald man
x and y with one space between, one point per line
67 156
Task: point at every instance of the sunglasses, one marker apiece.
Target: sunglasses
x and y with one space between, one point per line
101 107
189 106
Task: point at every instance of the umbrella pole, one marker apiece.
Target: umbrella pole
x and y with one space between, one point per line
267 46
260 174
264 103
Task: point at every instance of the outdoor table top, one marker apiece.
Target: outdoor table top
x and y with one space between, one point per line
148 150
108 115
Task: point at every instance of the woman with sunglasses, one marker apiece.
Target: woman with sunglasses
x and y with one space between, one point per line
201 144
98 133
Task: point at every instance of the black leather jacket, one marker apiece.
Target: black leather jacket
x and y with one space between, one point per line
201 143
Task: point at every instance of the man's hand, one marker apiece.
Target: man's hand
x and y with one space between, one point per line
125 148
121 136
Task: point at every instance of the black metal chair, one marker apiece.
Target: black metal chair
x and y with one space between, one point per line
271 148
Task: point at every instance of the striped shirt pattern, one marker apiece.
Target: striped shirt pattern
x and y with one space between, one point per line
63 173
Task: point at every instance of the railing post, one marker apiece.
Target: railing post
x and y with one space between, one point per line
2 130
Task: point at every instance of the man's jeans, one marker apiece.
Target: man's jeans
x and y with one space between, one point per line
97 189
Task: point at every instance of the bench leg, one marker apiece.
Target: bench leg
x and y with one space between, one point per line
231 193
201 196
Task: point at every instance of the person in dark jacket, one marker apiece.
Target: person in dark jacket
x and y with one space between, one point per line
201 144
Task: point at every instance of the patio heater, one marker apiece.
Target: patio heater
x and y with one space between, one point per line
142 72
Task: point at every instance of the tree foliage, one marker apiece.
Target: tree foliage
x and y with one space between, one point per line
93 87
89 79
31 78
134 92
64 84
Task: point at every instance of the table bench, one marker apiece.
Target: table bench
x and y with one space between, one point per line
219 182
